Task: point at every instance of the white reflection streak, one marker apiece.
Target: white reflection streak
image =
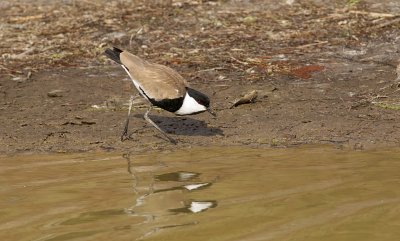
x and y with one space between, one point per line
184 176
196 207
191 187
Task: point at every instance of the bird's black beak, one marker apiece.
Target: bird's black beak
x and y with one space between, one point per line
211 112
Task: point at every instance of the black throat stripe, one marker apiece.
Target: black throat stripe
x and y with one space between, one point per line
170 105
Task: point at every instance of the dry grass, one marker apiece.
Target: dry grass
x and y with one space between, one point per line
197 35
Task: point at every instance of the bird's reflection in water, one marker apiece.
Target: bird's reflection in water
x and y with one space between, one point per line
160 196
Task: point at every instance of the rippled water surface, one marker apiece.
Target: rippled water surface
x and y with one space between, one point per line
313 193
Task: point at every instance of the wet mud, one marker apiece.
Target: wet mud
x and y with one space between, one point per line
324 73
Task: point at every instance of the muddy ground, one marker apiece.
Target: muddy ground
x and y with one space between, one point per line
325 72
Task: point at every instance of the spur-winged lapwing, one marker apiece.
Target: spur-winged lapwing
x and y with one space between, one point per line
161 86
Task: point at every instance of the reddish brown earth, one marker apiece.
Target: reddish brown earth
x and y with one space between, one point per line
325 73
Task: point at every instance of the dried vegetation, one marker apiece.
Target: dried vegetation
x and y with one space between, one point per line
234 38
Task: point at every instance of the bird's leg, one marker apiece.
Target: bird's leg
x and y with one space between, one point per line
146 116
125 135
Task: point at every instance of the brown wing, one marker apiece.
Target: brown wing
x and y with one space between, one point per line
157 81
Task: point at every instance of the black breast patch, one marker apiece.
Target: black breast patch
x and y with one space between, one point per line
170 105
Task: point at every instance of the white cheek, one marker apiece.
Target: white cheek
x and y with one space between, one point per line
190 106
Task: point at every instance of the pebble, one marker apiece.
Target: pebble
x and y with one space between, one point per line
55 93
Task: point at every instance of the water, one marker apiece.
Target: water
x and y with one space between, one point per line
312 193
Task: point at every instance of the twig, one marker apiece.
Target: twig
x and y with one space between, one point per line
23 54
240 62
378 97
310 45
21 19
134 35
211 69
235 67
3 67
29 75
374 14
385 24
338 16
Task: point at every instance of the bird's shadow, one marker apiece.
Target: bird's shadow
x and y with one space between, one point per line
185 126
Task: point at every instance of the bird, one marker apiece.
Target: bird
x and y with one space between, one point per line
161 86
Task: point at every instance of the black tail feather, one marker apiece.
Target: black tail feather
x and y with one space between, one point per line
114 54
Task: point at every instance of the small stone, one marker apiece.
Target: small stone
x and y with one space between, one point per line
245 99
55 93
88 122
